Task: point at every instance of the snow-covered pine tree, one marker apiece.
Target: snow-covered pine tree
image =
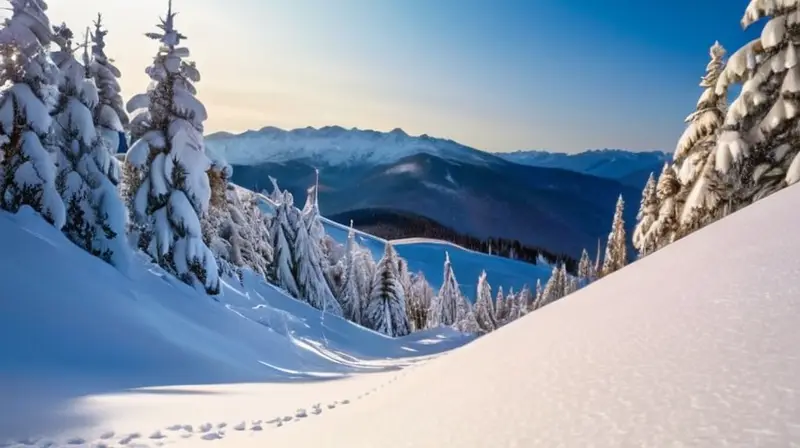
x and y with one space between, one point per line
538 299
87 170
308 271
245 234
664 230
550 291
648 213
525 301
584 269
597 270
109 115
445 311
466 321
167 126
484 306
758 143
418 302
28 94
350 297
499 307
385 310
616 249
282 234
211 222
512 306
703 189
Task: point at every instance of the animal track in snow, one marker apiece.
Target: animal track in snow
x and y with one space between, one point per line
129 438
107 435
240 427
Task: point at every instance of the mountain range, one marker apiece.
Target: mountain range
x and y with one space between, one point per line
628 167
560 208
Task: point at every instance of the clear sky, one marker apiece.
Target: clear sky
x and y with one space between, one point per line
499 75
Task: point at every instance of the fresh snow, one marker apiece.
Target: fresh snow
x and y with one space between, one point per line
695 345
658 354
88 353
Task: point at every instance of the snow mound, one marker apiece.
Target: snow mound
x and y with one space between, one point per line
89 352
695 345
334 145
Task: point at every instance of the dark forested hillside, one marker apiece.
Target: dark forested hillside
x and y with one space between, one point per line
394 224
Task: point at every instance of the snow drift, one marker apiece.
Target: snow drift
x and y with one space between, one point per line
695 345
74 330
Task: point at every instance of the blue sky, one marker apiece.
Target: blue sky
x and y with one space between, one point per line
499 75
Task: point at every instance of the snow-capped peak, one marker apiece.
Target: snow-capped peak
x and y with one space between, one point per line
335 145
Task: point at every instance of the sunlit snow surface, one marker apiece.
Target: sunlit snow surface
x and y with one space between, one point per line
85 352
696 345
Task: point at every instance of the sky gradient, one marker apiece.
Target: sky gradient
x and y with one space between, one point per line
499 75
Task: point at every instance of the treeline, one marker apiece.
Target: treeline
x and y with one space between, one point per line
395 224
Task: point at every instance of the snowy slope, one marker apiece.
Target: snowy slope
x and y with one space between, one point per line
334 145
625 166
695 345
427 256
82 346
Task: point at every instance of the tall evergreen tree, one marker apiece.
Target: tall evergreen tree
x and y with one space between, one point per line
109 116
174 192
648 214
350 297
386 307
616 249
539 291
308 271
30 92
282 233
484 307
499 307
703 189
445 311
418 303
758 143
88 171
665 229
584 269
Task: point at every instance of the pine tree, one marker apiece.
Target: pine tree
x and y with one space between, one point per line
419 301
351 298
648 214
664 229
616 249
703 190
550 293
386 307
512 306
757 145
282 233
308 271
29 93
88 173
167 125
109 116
445 311
538 299
484 307
584 269
499 307
466 322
